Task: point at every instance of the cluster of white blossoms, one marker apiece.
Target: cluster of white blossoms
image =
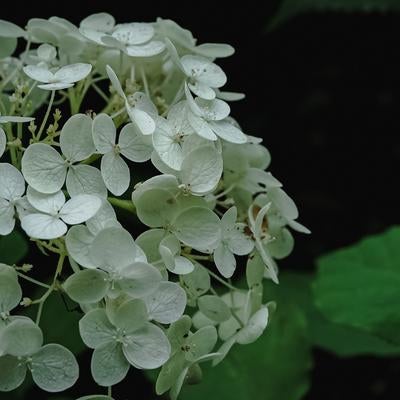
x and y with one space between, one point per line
164 298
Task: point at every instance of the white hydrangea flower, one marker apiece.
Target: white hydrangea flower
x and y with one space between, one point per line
45 55
234 241
209 119
12 187
46 170
53 213
134 39
131 144
128 339
142 112
63 78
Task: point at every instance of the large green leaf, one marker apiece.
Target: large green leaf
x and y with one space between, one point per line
59 322
291 8
276 365
13 248
359 286
345 341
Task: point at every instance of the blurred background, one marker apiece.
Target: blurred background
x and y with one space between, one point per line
323 90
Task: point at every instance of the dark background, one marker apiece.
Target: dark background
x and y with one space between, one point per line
323 91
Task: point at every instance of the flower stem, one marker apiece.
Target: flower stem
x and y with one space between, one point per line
46 116
124 204
28 278
51 288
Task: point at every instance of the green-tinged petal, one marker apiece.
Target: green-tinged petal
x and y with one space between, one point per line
224 260
54 368
95 328
139 279
22 337
104 133
12 373
113 249
201 343
167 304
131 315
109 365
87 286
148 347
254 328
214 308
115 173
44 168
85 179
76 138
197 227
12 185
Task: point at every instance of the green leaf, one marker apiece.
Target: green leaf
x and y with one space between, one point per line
54 368
292 8
345 341
13 248
266 366
55 306
359 286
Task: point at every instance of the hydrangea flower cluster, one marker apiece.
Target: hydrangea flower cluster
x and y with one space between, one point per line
163 299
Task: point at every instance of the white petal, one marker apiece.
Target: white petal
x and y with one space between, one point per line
166 145
12 184
115 173
213 110
201 127
76 138
133 33
228 132
73 73
104 133
203 70
167 304
214 50
254 328
146 50
10 30
283 203
3 141
113 248
202 90
85 179
133 145
13 118
148 347
103 22
142 119
55 86
78 242
44 168
80 208
202 170
7 221
104 218
43 226
40 74
46 203
115 81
